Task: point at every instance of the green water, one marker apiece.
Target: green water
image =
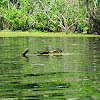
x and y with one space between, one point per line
73 76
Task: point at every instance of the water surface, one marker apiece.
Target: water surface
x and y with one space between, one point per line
73 76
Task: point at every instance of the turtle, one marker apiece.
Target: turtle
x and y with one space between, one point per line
56 50
43 51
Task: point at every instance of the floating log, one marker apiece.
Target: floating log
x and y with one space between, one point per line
25 51
42 54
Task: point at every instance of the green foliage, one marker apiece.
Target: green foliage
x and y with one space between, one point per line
33 15
85 28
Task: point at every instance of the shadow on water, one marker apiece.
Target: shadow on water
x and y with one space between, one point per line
74 76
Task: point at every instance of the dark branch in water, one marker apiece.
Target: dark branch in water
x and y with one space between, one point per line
25 51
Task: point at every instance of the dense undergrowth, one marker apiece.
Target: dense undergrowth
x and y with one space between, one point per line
50 16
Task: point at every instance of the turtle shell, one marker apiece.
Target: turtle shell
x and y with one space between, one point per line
43 51
56 50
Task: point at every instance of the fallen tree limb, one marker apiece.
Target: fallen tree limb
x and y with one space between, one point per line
25 51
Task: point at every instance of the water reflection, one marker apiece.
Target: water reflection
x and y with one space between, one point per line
26 58
73 76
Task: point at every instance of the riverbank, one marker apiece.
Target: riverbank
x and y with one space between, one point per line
51 34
